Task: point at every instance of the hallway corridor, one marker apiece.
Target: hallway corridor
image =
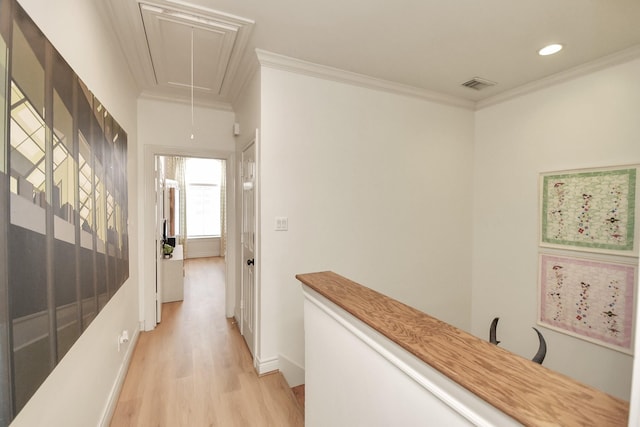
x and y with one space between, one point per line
195 370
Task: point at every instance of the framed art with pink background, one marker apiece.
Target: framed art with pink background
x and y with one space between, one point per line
587 298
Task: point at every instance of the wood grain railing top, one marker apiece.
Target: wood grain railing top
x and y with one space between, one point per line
526 391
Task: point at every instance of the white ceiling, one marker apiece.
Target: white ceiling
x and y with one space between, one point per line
432 45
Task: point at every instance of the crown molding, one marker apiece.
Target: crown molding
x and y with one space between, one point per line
285 63
224 43
121 16
213 104
244 75
617 58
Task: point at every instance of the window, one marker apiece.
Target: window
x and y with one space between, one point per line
203 182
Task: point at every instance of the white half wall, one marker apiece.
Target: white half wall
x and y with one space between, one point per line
81 389
586 122
358 377
376 187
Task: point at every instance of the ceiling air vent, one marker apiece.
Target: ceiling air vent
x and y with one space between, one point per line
478 84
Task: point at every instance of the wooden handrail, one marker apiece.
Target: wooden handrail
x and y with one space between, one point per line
526 391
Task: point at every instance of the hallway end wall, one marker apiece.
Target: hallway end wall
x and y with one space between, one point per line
590 121
165 128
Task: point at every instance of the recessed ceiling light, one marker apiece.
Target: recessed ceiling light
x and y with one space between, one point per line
550 49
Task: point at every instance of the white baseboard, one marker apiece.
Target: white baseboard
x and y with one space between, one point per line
266 366
118 383
293 373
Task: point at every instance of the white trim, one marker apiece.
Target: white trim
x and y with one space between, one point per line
179 98
242 79
266 366
461 400
147 290
124 18
281 62
572 73
292 372
257 252
285 63
255 336
114 395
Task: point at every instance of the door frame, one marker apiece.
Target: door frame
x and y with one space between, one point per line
146 205
256 249
159 208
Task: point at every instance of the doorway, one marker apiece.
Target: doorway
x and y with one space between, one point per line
190 218
152 233
193 204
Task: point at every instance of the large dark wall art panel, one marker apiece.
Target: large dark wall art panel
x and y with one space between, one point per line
63 208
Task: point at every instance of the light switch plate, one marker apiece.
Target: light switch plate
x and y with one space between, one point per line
282 223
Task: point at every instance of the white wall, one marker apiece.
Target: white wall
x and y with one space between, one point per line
169 124
376 186
78 391
586 122
203 247
164 128
247 109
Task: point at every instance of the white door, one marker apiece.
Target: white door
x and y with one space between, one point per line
159 235
248 292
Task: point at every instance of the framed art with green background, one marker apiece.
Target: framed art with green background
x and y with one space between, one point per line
590 210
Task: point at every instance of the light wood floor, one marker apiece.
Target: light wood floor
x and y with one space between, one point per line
195 370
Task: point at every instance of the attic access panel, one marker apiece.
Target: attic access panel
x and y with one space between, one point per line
217 45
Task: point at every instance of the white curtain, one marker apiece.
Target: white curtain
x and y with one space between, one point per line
181 164
170 167
223 208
